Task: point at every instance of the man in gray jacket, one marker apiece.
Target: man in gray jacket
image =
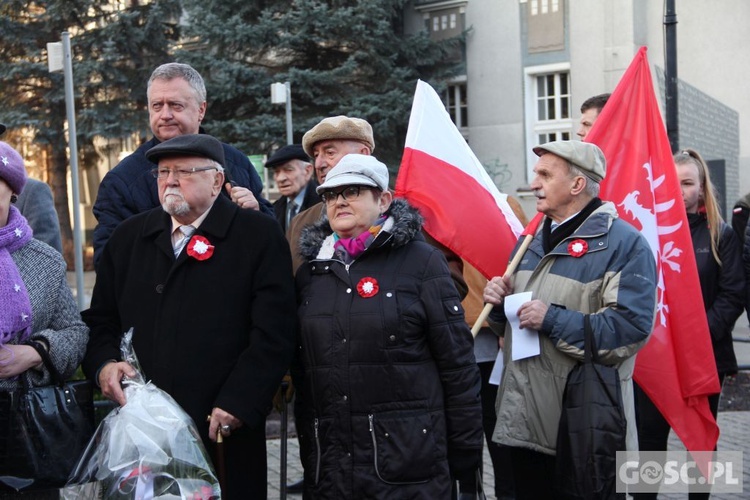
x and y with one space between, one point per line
583 260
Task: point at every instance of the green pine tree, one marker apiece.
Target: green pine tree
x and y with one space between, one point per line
348 57
113 53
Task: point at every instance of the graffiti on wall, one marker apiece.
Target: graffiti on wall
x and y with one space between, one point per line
499 173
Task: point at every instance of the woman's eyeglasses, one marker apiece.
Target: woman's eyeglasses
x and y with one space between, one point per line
349 193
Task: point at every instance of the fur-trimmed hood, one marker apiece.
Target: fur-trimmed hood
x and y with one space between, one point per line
404 223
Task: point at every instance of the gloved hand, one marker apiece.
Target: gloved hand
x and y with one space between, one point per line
278 401
464 464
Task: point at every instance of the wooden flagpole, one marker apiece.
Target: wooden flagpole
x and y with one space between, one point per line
529 233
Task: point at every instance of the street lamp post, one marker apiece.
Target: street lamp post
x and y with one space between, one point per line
670 76
59 58
281 93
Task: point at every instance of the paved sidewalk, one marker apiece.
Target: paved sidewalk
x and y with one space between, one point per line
734 426
735 436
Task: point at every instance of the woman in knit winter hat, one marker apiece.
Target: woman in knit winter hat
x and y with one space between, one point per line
37 309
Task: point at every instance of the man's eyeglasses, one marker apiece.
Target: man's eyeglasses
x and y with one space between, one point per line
349 193
179 173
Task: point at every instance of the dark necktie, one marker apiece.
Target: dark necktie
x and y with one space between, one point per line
291 211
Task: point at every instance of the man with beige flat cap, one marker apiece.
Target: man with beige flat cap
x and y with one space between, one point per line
326 143
582 262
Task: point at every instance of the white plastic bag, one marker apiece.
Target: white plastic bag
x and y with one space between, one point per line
147 449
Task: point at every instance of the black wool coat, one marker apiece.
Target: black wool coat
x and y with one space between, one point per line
211 333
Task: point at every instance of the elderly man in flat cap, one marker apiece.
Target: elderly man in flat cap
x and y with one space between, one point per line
326 143
208 289
292 173
583 261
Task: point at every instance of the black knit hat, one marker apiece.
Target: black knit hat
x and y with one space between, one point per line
202 145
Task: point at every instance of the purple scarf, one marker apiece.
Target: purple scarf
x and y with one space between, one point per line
15 313
348 249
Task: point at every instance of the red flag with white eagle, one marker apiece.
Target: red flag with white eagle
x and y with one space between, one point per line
676 368
441 176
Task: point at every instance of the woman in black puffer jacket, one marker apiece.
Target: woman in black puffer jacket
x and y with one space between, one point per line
388 390
718 255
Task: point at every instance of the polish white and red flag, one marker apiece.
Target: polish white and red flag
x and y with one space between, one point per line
461 205
676 368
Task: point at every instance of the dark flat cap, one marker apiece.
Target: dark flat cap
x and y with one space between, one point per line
287 153
202 145
2 129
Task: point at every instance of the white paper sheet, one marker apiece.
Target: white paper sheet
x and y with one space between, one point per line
525 343
497 371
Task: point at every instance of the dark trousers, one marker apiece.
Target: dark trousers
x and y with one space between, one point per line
245 464
653 429
499 454
533 474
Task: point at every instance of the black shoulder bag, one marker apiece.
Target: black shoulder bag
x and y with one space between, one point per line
592 428
44 430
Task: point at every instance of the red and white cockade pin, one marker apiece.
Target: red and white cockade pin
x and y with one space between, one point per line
367 287
200 248
577 248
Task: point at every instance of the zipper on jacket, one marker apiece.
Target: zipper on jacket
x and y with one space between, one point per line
347 266
316 424
371 417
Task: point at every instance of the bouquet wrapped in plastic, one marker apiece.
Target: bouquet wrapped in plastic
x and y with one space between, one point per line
148 448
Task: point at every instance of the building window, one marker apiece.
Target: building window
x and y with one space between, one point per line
553 96
548 110
445 22
456 103
546 26
546 6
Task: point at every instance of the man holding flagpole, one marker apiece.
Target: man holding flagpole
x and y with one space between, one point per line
582 261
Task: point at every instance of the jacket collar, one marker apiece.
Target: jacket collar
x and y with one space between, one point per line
407 223
595 226
158 224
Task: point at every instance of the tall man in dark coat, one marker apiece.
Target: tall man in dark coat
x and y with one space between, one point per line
293 175
177 105
213 326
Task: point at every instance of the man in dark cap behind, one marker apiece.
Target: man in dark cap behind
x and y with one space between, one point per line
292 173
208 289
